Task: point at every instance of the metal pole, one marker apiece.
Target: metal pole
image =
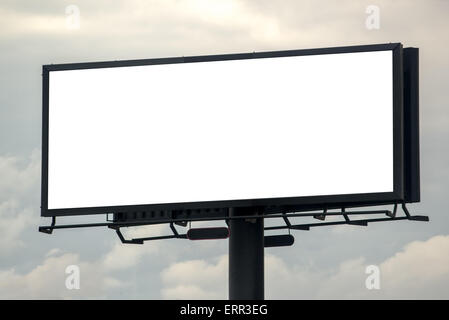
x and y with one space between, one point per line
246 256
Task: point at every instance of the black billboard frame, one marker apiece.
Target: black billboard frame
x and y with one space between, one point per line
271 205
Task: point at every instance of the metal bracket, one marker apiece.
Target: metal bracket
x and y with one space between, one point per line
321 216
410 217
345 214
391 216
49 229
175 235
122 238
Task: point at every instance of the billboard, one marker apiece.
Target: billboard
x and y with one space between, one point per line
285 128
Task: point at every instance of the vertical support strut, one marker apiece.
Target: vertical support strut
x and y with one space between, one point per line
246 256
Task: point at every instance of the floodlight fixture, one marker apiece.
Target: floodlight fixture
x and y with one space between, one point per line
282 240
211 233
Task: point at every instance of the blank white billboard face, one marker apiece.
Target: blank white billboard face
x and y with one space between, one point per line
227 130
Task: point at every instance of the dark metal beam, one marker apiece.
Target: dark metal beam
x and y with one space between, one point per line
246 257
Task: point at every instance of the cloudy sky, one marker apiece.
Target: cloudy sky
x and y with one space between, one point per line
413 257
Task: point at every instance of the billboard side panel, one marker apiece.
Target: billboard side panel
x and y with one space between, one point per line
44 155
398 121
411 124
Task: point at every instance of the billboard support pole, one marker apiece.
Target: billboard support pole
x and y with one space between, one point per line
246 256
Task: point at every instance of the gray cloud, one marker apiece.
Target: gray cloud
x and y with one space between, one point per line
34 33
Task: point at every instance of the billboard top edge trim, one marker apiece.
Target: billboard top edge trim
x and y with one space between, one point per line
220 57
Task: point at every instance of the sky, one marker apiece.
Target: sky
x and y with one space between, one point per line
329 263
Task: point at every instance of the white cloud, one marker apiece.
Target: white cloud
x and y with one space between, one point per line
196 279
14 219
420 270
227 24
129 255
124 256
47 280
19 176
19 181
53 252
188 292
